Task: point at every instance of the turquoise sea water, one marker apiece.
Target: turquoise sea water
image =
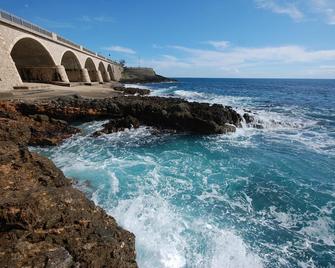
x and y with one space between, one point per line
256 198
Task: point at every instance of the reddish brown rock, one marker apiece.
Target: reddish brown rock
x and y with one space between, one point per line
44 221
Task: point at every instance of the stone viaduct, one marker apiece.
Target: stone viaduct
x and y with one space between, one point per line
29 53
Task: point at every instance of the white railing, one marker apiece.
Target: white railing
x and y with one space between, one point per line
62 39
16 20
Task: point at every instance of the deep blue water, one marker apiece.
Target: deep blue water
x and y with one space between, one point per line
256 198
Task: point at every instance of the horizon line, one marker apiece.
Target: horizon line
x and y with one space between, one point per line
283 78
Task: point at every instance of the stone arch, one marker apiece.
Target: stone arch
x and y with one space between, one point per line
92 70
72 66
104 74
33 61
110 71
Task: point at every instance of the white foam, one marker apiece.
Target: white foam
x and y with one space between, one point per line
238 102
162 239
285 123
231 252
285 220
320 230
136 86
114 182
157 228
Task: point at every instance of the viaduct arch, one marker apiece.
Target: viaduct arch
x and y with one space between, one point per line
32 54
72 66
33 61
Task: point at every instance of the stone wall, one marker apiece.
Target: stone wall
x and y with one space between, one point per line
74 75
9 76
39 74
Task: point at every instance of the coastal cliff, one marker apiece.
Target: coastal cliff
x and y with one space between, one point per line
142 75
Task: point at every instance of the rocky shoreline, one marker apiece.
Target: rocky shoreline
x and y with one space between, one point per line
161 113
44 221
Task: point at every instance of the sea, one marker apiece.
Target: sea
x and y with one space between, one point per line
263 196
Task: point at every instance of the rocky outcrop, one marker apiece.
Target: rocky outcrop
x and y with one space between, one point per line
133 91
41 129
248 118
142 75
161 113
118 124
44 221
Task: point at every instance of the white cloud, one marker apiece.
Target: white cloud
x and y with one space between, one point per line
323 10
101 19
281 7
326 8
155 46
219 44
274 61
120 49
241 55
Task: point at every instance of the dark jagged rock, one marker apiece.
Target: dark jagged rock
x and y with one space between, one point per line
133 91
118 124
248 118
162 113
44 221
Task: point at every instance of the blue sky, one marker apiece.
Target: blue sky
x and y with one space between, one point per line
196 38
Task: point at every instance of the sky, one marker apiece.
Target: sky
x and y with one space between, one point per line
197 38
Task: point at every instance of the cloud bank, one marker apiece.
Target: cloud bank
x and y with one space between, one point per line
234 61
299 10
120 49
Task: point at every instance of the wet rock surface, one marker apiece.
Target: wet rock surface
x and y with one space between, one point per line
133 91
161 113
44 221
118 124
248 118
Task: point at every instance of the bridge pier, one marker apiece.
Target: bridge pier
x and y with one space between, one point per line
60 70
100 80
108 77
85 76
